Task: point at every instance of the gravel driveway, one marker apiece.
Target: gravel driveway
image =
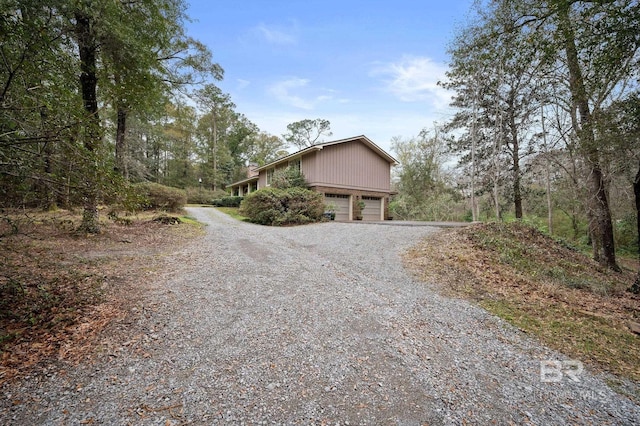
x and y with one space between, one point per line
315 324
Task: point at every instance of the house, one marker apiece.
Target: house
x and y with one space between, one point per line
345 171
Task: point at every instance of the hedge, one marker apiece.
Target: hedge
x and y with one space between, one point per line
227 202
276 207
161 197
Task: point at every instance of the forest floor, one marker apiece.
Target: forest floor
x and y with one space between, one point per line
544 287
60 290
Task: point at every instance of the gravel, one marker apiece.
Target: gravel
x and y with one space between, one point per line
316 324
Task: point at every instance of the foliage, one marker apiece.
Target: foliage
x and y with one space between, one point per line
227 202
160 197
535 82
425 191
289 177
304 133
69 69
276 207
202 195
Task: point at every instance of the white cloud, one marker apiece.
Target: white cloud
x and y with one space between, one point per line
276 35
297 93
282 92
242 83
414 79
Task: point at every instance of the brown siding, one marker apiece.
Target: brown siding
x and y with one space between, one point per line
348 165
309 166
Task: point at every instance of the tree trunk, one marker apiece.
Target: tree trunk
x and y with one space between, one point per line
49 198
635 288
600 224
474 209
547 174
121 143
92 137
515 158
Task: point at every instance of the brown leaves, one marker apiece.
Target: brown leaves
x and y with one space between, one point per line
533 281
58 291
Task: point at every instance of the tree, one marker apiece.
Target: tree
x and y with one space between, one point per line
213 125
497 78
39 107
304 133
591 48
423 183
263 148
149 58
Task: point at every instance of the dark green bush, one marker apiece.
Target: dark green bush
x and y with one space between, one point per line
162 197
227 202
291 206
203 195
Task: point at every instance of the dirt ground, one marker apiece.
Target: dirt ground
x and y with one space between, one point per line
61 290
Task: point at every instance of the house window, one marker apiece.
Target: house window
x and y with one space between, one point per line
269 176
295 165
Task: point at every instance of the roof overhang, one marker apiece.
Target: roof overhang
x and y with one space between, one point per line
243 182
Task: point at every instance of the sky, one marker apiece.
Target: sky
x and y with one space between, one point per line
369 67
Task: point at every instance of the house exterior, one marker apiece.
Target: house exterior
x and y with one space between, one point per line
346 171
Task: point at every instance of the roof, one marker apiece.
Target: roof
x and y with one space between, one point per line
318 147
243 182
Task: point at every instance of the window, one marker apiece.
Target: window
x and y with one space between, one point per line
269 176
295 165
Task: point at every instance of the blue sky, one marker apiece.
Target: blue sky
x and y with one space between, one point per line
369 67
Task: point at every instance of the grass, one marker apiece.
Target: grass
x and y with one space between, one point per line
233 212
541 286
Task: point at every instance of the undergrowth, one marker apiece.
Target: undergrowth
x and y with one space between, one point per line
540 285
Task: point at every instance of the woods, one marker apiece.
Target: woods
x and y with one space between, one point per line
96 95
544 124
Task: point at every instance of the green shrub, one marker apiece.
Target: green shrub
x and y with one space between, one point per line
291 206
288 178
227 202
162 197
203 195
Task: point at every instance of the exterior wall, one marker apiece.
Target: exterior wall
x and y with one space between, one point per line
349 165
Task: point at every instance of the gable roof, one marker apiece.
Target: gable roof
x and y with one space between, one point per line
318 147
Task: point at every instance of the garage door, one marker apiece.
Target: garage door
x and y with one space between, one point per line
372 208
341 203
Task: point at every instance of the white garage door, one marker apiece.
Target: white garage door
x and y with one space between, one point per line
372 208
341 203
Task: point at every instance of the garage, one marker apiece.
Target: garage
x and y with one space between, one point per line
341 203
372 208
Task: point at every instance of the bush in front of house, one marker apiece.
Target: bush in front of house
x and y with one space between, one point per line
227 202
161 197
277 207
288 178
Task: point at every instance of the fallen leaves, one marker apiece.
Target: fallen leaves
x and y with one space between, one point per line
533 282
59 291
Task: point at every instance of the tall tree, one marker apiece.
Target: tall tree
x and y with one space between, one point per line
304 133
496 76
591 46
213 127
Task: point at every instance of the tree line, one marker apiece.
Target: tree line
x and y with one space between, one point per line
97 94
547 121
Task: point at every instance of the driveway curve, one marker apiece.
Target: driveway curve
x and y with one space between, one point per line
316 324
